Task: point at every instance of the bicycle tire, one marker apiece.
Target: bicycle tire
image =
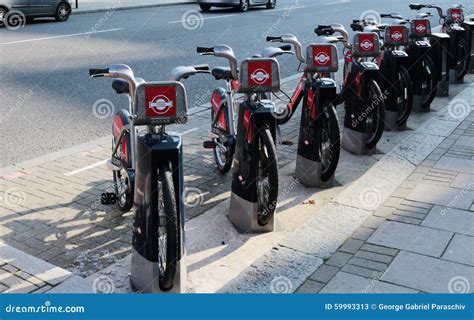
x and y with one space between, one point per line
375 110
223 165
166 194
432 83
462 65
334 138
126 203
406 89
267 166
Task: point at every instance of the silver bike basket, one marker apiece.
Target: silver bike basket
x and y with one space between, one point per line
455 15
321 58
366 44
259 75
396 36
161 103
420 28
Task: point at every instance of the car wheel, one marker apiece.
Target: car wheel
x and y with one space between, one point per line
205 7
3 13
271 4
244 5
63 11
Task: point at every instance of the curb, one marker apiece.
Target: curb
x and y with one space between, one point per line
130 7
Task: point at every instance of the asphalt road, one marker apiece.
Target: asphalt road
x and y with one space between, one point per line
47 97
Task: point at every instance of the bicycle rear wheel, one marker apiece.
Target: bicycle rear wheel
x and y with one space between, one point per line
168 241
267 177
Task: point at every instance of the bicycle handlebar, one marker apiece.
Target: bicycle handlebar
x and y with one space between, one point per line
204 50
201 67
274 39
98 72
222 51
286 47
419 6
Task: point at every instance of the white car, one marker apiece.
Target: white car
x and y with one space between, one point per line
242 5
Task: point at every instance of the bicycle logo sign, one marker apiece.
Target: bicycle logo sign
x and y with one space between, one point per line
420 28
366 45
161 104
396 36
260 76
322 58
161 101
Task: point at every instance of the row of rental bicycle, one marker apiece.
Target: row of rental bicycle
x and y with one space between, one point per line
389 70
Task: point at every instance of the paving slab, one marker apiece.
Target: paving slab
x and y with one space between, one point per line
326 230
32 265
450 219
443 196
411 238
461 249
350 283
429 274
464 181
455 164
278 271
465 141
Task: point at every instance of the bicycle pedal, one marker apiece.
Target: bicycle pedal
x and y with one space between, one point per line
287 142
108 198
209 144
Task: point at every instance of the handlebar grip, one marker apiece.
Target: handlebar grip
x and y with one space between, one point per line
322 26
286 47
357 27
201 67
416 6
272 39
204 50
98 72
385 15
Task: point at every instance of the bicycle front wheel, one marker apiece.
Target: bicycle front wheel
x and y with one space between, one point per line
330 146
374 110
267 177
405 98
168 240
430 83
